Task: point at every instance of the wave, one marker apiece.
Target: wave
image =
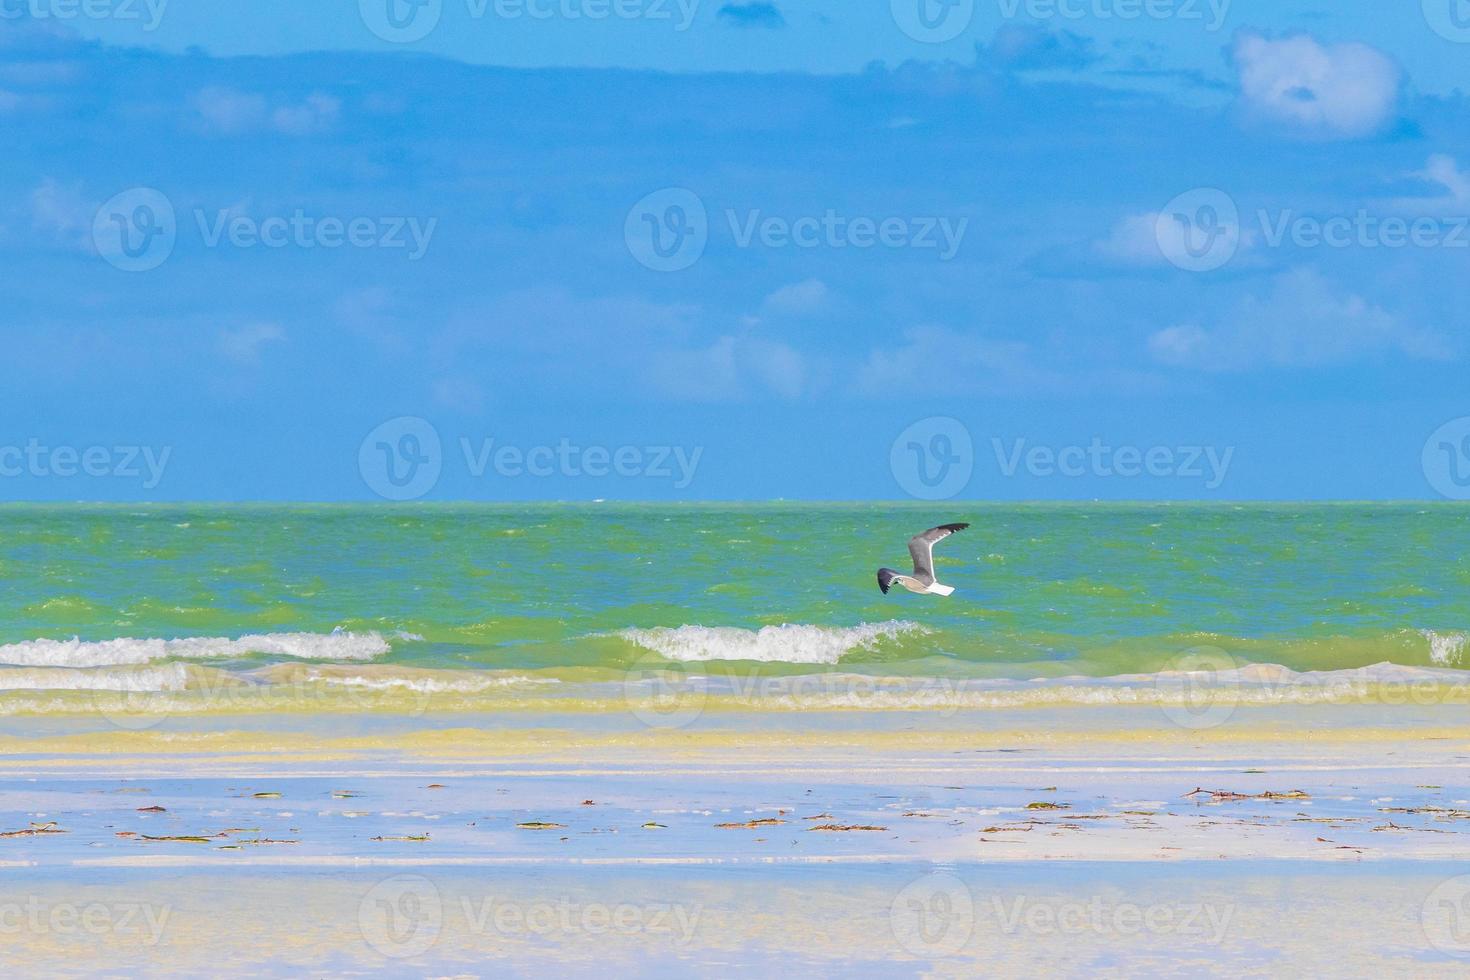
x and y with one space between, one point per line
1445 649
793 643
110 653
1192 691
191 689
166 677
382 677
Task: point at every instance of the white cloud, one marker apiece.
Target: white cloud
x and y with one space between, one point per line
319 112
1157 241
1321 90
1133 240
545 339
779 368
243 345
807 296
232 112
372 314
939 361
665 348
1443 171
459 394
228 111
31 74
729 369
546 323
61 212
1300 322
1179 345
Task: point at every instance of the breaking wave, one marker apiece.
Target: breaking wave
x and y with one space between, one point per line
382 677
793 643
1445 649
166 677
111 653
1212 692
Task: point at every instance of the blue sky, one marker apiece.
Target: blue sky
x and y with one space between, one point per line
1133 248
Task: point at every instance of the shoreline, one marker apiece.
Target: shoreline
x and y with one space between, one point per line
874 843
1049 791
864 920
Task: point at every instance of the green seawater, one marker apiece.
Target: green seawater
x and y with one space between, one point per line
1043 590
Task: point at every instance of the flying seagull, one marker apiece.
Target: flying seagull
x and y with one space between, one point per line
921 546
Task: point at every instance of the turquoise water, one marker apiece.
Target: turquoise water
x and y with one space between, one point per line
578 589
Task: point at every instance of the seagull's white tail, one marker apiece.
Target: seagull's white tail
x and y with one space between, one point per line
937 589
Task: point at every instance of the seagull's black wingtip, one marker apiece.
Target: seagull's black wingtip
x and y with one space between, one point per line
953 527
885 579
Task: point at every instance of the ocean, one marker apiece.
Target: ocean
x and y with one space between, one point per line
416 739
501 607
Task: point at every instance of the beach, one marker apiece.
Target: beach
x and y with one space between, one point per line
856 844
763 488
334 773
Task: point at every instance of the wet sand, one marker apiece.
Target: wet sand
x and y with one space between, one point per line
1068 842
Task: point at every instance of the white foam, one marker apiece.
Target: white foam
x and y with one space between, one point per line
165 677
432 685
793 643
107 653
1253 684
1445 649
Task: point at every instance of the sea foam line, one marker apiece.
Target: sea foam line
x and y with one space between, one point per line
794 643
111 653
1446 649
160 678
385 678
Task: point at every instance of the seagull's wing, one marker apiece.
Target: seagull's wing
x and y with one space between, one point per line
921 546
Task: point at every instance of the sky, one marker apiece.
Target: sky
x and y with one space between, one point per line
678 250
